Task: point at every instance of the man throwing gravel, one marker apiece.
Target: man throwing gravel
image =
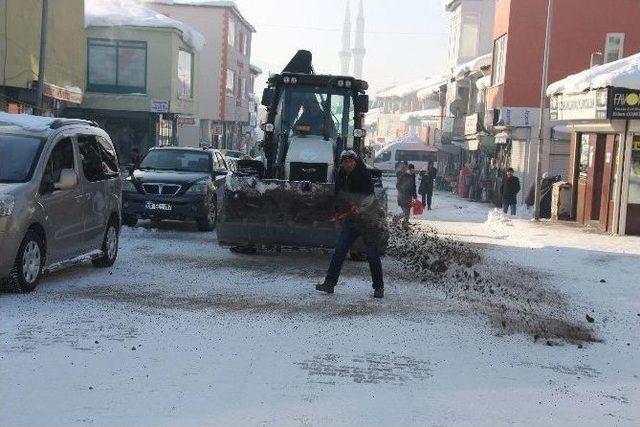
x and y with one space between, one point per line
359 216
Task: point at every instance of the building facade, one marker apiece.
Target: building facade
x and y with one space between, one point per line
65 64
580 28
141 78
226 90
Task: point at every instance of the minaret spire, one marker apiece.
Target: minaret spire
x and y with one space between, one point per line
359 50
345 53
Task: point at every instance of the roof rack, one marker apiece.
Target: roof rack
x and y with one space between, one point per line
58 123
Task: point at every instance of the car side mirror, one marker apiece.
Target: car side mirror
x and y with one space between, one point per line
268 95
68 180
362 103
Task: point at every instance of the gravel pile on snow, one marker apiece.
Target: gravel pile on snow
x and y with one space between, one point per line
515 299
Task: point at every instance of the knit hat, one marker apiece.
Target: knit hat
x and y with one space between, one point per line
348 154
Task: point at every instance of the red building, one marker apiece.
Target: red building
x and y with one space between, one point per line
580 28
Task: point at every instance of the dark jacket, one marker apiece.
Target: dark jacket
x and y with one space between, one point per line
358 181
510 188
426 180
406 189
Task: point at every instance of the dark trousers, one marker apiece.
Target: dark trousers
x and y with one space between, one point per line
406 212
347 236
509 203
426 198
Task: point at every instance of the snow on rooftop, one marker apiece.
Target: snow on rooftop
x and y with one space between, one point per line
431 113
26 121
476 64
623 73
115 13
431 87
401 90
208 3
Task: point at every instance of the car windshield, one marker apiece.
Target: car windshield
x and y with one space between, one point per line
177 160
18 155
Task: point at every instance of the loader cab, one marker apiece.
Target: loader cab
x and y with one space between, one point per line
311 119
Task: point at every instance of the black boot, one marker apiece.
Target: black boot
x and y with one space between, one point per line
378 292
325 287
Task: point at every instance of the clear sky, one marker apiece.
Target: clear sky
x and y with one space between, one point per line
405 39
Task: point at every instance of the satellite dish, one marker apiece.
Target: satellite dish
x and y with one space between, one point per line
457 108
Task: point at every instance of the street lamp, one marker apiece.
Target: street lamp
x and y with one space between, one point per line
543 101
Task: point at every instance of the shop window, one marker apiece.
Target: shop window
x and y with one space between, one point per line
231 82
499 60
185 74
614 47
116 66
634 173
583 161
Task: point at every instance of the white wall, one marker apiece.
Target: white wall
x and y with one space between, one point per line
471 14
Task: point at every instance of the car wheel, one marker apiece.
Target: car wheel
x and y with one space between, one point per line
109 247
208 223
27 269
129 220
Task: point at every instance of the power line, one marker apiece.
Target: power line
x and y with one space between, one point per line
336 30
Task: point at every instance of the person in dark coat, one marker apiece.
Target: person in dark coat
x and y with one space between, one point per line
359 215
406 186
426 185
510 190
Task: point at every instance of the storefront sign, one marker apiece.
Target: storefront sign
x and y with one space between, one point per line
217 129
518 117
73 95
186 121
582 106
471 124
159 106
623 104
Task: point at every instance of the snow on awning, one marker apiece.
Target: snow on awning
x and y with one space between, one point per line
483 82
624 73
124 13
421 115
432 87
475 65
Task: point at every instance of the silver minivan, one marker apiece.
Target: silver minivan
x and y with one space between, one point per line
60 197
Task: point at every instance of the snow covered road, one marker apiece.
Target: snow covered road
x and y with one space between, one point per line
181 332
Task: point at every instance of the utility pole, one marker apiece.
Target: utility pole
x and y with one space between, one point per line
43 59
543 102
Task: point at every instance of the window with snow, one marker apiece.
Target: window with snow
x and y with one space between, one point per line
243 87
116 66
231 33
614 47
245 49
454 39
231 82
499 60
185 71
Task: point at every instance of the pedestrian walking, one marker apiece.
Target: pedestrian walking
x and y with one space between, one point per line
360 216
510 190
406 187
426 185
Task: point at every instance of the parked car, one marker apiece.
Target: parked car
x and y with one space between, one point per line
175 183
414 152
232 157
60 196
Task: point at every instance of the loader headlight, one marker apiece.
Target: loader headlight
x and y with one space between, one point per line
7 203
340 83
286 80
267 127
294 80
347 83
359 133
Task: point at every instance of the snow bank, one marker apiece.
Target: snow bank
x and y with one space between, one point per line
476 64
26 121
115 13
622 73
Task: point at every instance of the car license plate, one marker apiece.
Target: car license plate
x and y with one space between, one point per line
158 206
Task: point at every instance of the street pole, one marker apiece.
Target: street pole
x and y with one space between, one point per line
543 102
42 61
